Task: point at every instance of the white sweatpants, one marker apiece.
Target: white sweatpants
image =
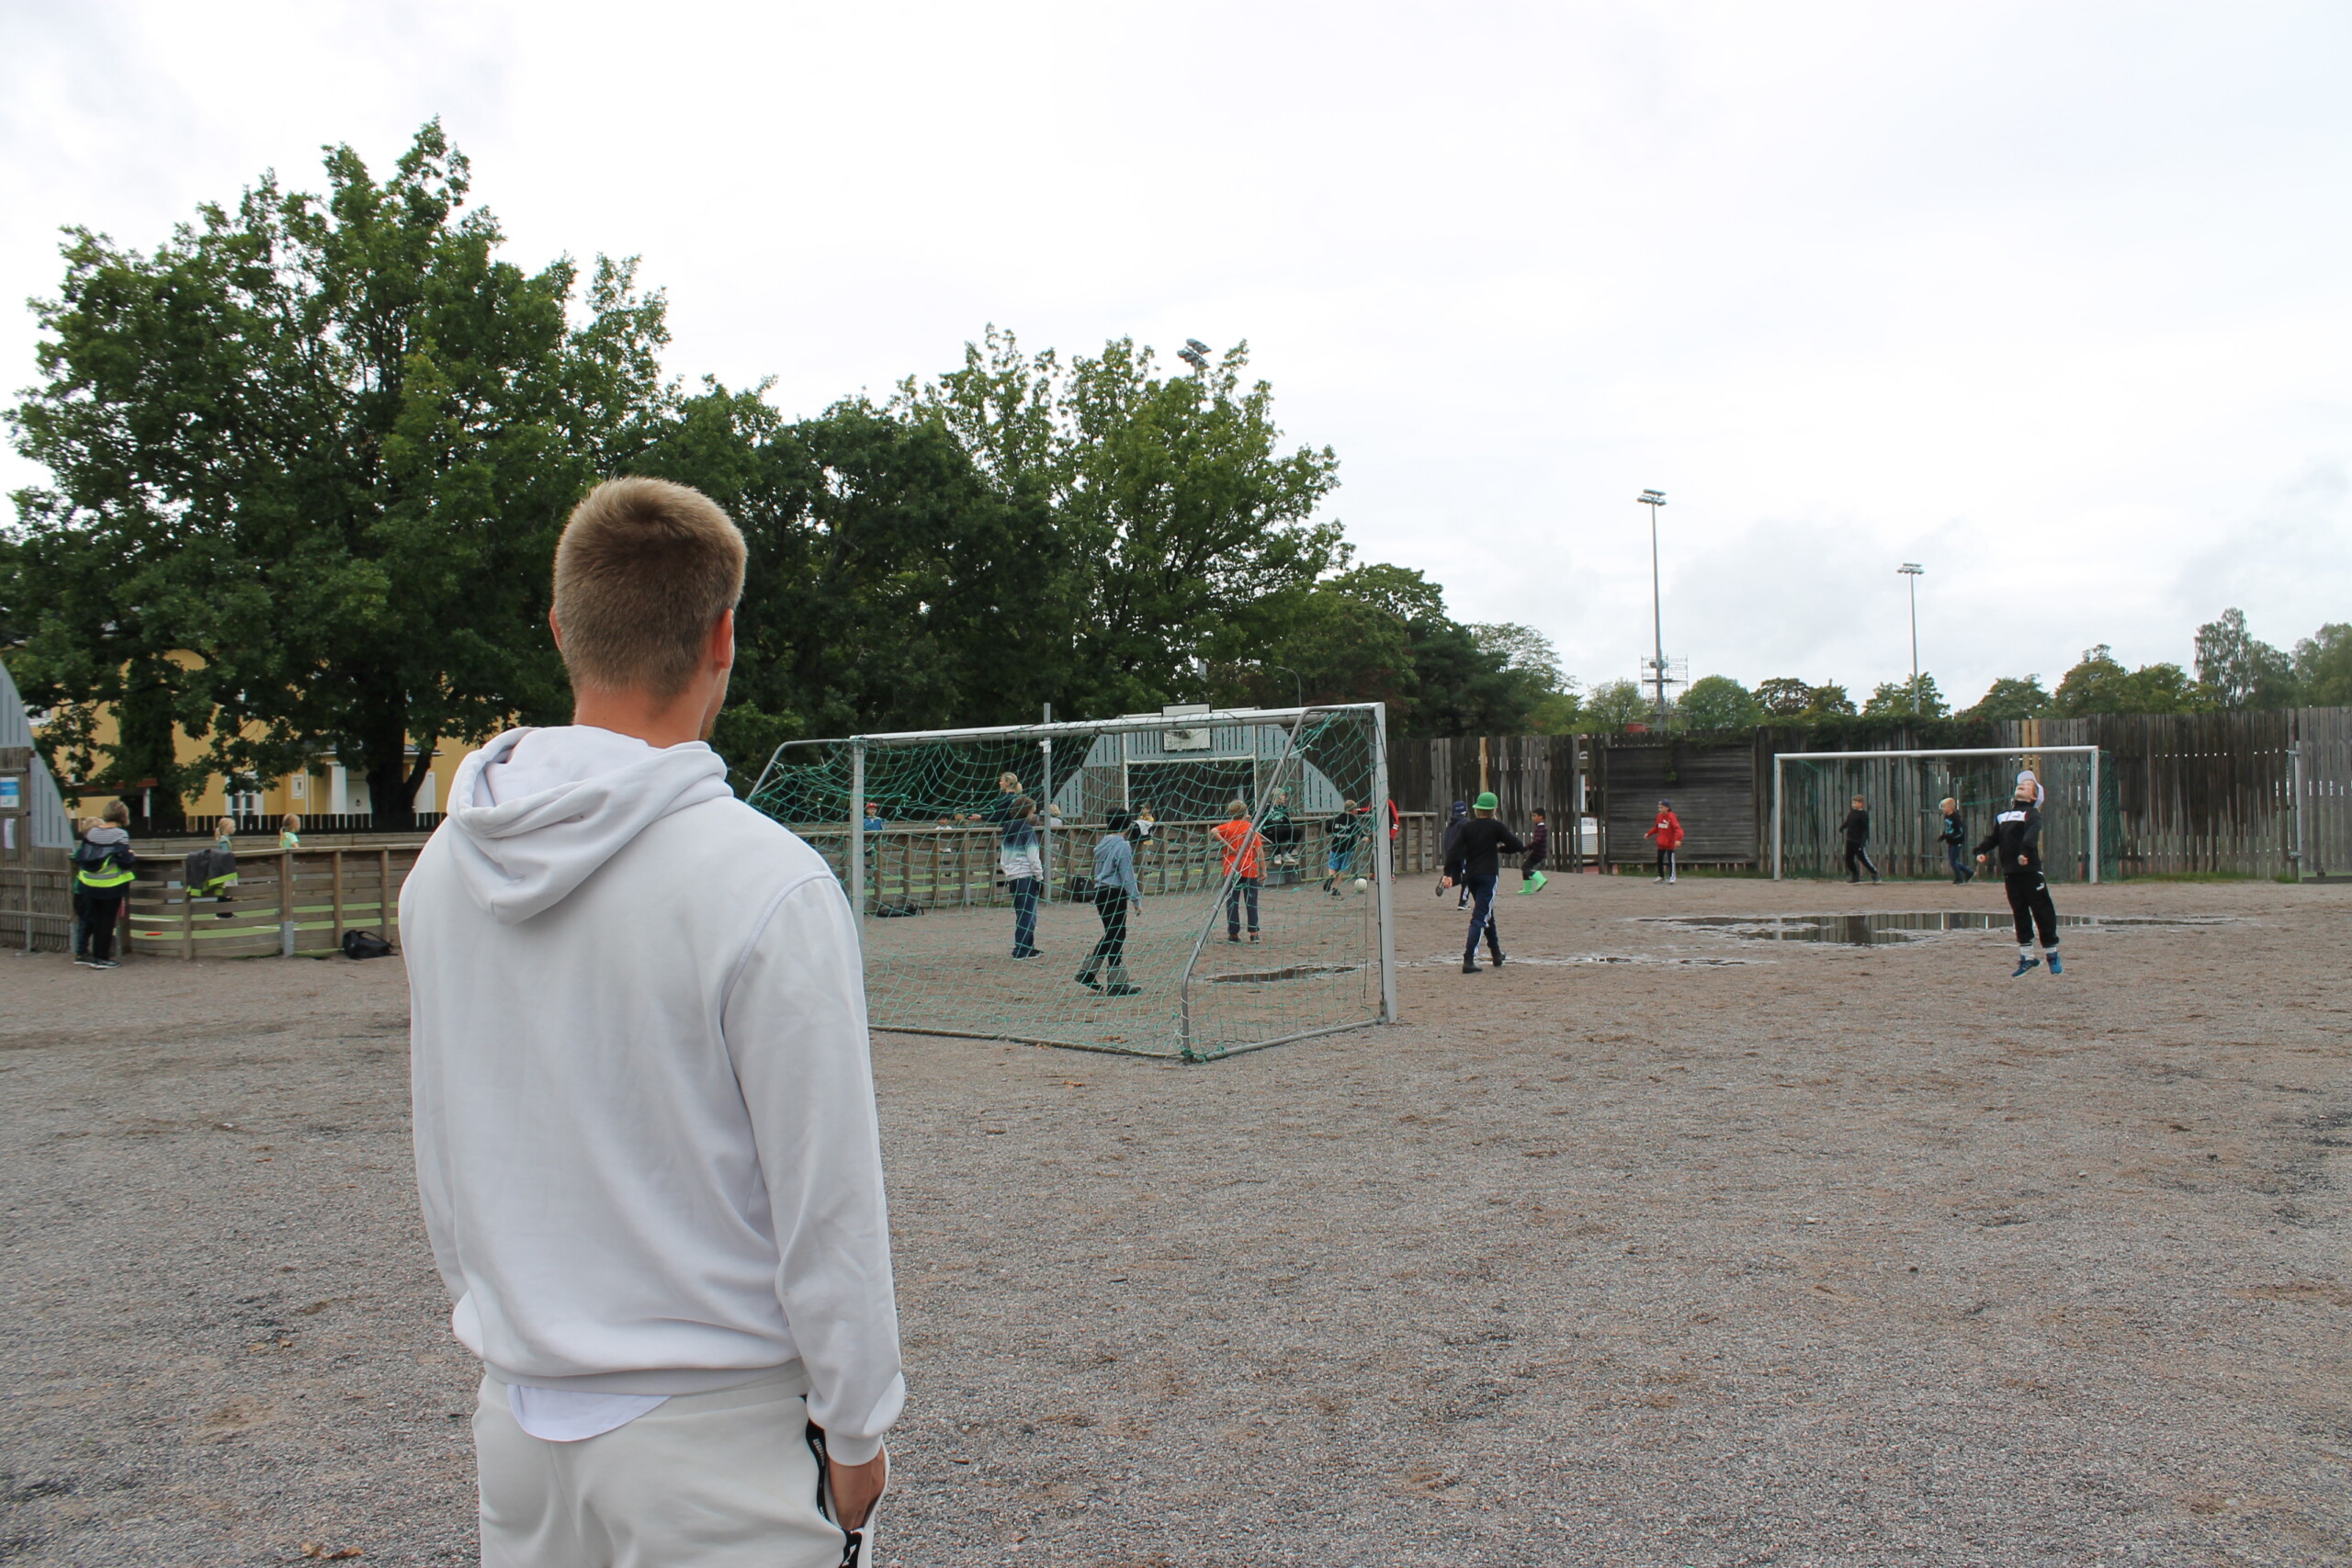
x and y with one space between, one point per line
723 1480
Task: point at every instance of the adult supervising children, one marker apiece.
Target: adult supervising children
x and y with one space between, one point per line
1856 831
1474 863
2016 841
104 868
644 1110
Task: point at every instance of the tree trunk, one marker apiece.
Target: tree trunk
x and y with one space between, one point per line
390 797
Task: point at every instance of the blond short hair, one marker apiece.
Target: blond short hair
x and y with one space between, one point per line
643 571
290 823
120 814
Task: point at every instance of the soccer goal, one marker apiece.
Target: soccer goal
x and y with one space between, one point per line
920 827
1811 791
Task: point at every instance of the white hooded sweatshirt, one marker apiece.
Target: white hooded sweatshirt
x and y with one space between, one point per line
645 1123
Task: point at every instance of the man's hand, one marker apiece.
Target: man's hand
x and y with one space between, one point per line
1980 859
2025 860
1445 882
856 1488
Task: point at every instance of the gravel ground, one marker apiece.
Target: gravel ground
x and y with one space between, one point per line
1839 1255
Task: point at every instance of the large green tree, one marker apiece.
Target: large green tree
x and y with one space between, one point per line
2324 666
1719 704
308 461
2239 670
1181 519
2100 683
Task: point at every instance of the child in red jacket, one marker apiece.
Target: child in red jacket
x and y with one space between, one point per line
1667 831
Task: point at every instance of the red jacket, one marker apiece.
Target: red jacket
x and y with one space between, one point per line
1667 831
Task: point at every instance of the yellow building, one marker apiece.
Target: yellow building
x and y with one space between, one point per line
326 795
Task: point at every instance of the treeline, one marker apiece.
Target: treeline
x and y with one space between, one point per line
309 458
2234 671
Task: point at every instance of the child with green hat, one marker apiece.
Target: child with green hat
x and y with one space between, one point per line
1474 859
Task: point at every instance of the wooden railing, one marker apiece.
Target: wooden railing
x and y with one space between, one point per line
285 901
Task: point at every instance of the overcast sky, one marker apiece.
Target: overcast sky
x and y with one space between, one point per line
2055 299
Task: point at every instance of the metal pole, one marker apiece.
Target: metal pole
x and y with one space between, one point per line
1776 817
1046 812
1657 616
1912 570
2095 816
2295 756
1383 875
857 829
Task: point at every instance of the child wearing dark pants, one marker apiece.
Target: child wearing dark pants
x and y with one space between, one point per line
2016 841
1856 829
1115 889
1530 869
1474 863
1955 839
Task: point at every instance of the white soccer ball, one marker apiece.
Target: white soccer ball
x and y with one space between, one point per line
1361 885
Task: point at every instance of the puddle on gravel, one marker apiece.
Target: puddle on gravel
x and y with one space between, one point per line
1882 930
1448 961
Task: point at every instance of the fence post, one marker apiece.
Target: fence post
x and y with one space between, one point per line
285 903
1384 874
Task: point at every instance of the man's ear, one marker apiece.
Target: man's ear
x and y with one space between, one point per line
722 641
556 630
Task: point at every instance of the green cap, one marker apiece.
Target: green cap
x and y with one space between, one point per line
1486 802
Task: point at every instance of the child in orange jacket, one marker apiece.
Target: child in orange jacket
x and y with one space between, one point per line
1667 831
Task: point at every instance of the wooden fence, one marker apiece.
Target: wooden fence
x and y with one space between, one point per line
313 895
2221 793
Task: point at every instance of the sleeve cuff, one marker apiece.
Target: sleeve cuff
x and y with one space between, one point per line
847 1449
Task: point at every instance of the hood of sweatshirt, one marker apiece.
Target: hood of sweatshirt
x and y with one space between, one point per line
535 812
106 834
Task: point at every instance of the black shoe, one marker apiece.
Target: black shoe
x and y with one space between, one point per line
1122 990
1497 961
1233 936
1033 953
1469 966
1087 981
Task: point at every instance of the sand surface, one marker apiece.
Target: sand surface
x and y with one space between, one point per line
1623 1255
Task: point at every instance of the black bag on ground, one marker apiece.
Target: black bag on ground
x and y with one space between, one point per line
365 944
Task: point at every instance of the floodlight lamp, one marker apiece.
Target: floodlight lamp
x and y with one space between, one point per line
1197 346
1653 498
1910 568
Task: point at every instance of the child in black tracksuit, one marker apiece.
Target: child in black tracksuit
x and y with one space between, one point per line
2016 839
1955 839
1856 831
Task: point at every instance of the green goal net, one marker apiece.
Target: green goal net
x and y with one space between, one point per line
1903 791
1259 843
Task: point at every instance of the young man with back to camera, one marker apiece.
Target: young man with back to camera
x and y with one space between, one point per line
1474 862
645 1124
2016 841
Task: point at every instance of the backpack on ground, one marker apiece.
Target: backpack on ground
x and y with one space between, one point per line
365 944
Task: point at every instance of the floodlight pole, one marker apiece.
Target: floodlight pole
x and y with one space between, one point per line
1653 498
1912 570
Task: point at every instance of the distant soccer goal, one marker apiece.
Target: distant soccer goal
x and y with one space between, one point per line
1811 791
1260 841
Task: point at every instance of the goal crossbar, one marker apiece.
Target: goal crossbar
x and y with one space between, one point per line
2090 752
